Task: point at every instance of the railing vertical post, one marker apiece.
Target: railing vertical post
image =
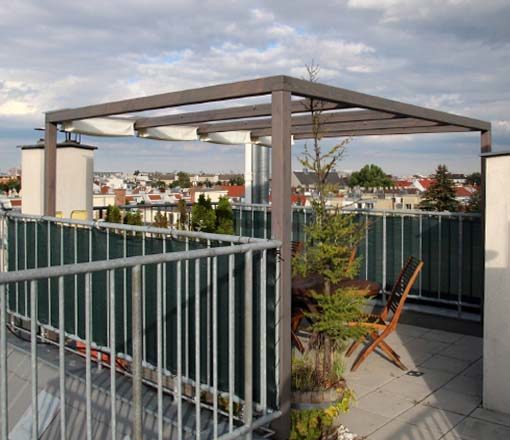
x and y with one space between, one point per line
439 262
33 351
215 344
88 354
460 256
248 341
4 422
197 348
113 354
136 312
179 349
231 341
61 356
420 252
281 222
384 257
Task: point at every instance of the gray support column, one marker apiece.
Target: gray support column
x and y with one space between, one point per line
281 229
248 173
50 168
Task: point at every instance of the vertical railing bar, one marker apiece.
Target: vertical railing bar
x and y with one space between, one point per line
136 298
252 222
241 220
197 349
179 351
402 220
263 331
4 408
33 351
88 353
186 312
208 318
277 325
421 253
248 342
144 304
48 254
384 263
113 356
107 288
25 262
164 309
16 263
366 248
231 341
459 295
215 344
124 292
159 343
439 260
61 356
75 234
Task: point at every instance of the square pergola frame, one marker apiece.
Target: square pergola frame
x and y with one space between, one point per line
281 120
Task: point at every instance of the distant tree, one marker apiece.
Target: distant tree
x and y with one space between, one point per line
203 217
113 214
11 184
440 196
136 173
133 218
370 176
474 202
182 208
159 184
182 181
474 179
236 180
224 217
160 220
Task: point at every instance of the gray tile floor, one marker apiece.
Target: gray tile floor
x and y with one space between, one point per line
443 403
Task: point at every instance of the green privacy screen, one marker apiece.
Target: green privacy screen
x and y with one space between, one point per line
450 246
41 244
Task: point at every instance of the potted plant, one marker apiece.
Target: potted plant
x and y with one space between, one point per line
319 390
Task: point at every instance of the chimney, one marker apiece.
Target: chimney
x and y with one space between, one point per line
120 197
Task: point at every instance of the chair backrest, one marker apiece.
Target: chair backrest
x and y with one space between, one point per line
401 289
79 214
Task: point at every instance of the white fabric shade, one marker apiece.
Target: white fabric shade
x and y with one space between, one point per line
101 127
228 137
170 133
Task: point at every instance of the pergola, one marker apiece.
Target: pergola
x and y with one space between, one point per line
344 113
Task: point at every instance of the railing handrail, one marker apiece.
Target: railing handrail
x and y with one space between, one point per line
262 206
134 228
120 263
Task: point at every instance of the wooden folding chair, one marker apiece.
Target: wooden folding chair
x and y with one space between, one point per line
380 325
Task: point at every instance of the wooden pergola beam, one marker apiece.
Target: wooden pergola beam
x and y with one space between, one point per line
303 88
389 131
221 92
263 126
242 112
397 123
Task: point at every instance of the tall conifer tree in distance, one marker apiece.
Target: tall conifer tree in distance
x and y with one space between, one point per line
440 196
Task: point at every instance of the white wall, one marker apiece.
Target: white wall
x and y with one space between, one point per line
75 167
32 180
496 382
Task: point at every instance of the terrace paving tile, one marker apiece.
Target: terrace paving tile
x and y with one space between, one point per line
476 429
362 422
445 363
452 401
398 429
491 416
385 403
466 385
442 336
431 419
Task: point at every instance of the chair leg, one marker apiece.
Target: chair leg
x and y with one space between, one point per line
297 342
354 346
364 354
392 354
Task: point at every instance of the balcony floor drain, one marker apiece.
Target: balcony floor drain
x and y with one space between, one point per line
414 373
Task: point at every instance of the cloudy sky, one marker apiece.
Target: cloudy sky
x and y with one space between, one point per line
449 54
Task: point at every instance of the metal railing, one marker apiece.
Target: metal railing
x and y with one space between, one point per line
196 323
449 243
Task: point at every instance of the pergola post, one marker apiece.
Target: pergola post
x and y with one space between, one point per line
281 217
50 168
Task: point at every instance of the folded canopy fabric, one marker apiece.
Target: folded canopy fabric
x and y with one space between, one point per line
101 126
228 137
170 133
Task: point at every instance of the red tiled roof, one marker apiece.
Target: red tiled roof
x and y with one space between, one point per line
298 199
105 189
426 183
154 197
15 202
462 191
234 190
402 183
